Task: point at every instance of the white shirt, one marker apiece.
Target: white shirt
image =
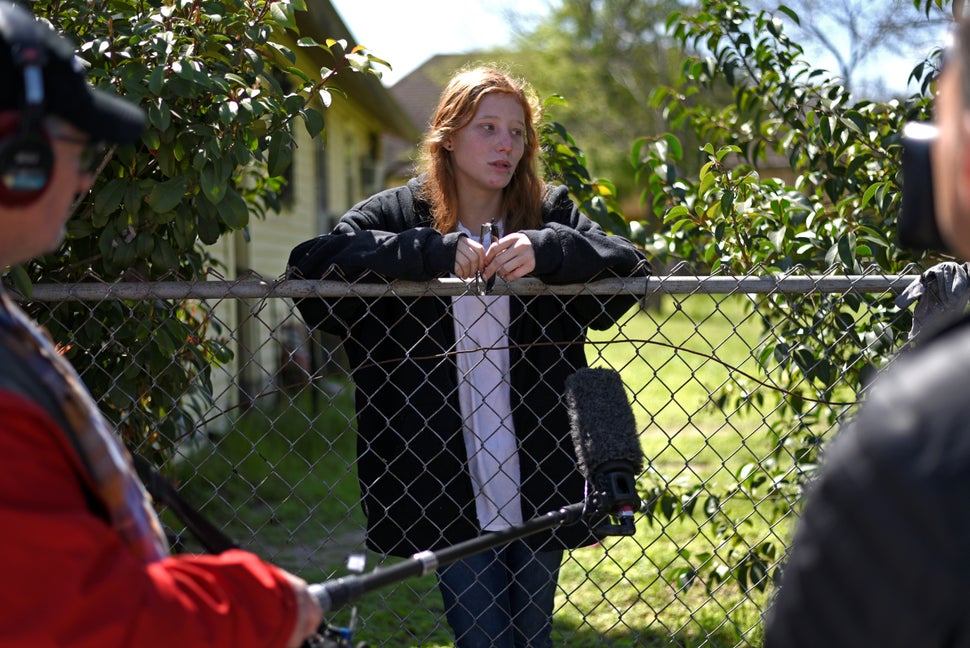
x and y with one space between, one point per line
481 337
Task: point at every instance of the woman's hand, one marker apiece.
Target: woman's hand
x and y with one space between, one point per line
510 257
469 258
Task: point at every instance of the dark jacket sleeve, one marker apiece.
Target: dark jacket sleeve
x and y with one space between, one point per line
570 248
388 236
384 235
879 556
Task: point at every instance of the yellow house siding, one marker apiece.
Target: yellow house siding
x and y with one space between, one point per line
327 177
314 208
349 150
271 240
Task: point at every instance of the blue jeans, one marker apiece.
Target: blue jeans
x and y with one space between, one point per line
501 598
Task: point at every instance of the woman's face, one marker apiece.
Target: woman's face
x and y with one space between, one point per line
487 150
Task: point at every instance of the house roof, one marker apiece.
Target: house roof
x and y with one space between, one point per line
322 22
417 93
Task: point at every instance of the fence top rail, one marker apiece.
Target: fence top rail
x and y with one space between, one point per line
645 286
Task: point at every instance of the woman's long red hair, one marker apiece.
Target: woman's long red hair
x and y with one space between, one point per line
522 197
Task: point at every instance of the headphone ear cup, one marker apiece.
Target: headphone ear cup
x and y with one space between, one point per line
26 162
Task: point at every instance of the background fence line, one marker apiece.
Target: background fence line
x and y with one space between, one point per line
302 288
736 383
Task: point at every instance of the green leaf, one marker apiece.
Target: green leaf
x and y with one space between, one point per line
107 200
144 244
156 79
165 196
676 213
313 119
228 112
280 156
668 505
164 256
208 230
76 228
213 185
712 505
846 251
777 238
674 148
282 13
21 281
234 211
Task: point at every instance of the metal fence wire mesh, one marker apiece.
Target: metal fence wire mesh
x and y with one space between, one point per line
735 383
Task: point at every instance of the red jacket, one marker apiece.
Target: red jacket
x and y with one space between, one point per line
66 579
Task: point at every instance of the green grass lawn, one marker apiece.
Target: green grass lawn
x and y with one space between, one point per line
675 361
282 482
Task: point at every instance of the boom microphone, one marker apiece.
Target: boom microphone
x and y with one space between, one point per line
607 447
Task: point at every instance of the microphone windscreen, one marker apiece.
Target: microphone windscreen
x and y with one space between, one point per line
601 421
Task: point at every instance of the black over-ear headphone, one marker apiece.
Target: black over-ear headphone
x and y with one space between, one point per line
26 158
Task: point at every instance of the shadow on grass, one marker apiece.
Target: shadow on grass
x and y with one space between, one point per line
424 625
654 636
410 614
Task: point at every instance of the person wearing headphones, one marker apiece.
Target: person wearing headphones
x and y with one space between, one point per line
83 560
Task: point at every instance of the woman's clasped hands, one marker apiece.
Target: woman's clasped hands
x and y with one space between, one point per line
510 258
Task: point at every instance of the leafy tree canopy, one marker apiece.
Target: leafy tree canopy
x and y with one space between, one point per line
603 57
223 82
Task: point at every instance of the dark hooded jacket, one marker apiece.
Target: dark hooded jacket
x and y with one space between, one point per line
416 490
879 557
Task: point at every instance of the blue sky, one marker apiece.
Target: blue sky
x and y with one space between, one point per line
406 33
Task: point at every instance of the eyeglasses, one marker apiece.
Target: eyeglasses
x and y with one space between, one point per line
92 153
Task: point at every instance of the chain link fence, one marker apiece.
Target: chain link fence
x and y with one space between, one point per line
735 383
